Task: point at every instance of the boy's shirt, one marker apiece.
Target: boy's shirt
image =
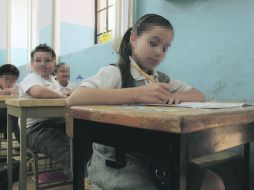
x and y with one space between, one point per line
28 82
71 86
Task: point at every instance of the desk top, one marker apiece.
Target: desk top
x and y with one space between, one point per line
5 97
19 102
166 119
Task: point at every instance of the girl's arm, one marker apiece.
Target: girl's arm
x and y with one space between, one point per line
154 93
38 91
192 95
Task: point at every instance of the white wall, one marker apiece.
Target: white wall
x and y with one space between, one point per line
78 12
3 12
19 23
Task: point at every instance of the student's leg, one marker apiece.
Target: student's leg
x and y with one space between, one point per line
212 181
199 178
133 176
51 140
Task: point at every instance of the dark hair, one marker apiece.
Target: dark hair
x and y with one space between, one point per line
125 50
60 65
43 48
9 69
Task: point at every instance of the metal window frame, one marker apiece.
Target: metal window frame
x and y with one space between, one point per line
96 34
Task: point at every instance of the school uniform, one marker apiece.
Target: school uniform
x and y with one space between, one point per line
46 135
135 174
70 86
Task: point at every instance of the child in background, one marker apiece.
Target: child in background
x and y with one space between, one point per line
62 79
135 80
45 135
9 74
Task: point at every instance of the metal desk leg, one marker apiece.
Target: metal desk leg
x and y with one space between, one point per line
180 161
78 159
22 172
9 149
246 180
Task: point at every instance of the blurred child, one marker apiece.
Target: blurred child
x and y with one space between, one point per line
45 135
135 80
62 79
9 74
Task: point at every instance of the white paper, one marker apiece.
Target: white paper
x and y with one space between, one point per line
207 105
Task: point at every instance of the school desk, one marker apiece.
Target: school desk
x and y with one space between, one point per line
28 108
2 100
175 134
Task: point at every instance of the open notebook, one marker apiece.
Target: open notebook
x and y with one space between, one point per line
207 105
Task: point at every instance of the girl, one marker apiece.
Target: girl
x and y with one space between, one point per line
135 80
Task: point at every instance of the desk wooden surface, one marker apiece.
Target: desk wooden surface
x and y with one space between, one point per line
166 119
19 102
3 98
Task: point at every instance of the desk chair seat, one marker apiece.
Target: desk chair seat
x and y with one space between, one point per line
50 177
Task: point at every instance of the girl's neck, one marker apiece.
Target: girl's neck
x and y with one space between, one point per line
149 72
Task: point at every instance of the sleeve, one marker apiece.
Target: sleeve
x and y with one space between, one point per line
29 81
107 77
179 86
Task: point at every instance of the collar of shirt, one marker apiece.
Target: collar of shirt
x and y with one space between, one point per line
138 74
49 83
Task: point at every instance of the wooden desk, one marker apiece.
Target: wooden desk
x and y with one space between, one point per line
175 134
3 98
28 108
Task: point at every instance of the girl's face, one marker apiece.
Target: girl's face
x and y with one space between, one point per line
149 49
43 64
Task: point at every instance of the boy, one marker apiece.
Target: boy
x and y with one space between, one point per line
62 79
9 74
45 135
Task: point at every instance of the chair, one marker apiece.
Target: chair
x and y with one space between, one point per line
51 176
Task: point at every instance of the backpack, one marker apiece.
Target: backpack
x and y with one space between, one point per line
4 172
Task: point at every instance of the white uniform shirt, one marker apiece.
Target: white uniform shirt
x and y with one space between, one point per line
71 86
110 77
29 81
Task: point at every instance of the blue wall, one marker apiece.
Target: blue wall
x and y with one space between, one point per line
75 38
87 62
18 56
2 56
45 35
213 45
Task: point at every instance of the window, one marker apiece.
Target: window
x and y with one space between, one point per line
104 20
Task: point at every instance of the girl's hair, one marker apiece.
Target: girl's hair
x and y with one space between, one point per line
125 51
43 48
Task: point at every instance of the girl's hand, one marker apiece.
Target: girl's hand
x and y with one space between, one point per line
174 99
156 93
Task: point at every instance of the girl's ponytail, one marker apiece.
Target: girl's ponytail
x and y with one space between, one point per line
124 60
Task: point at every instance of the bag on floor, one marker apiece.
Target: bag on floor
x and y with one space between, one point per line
4 172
